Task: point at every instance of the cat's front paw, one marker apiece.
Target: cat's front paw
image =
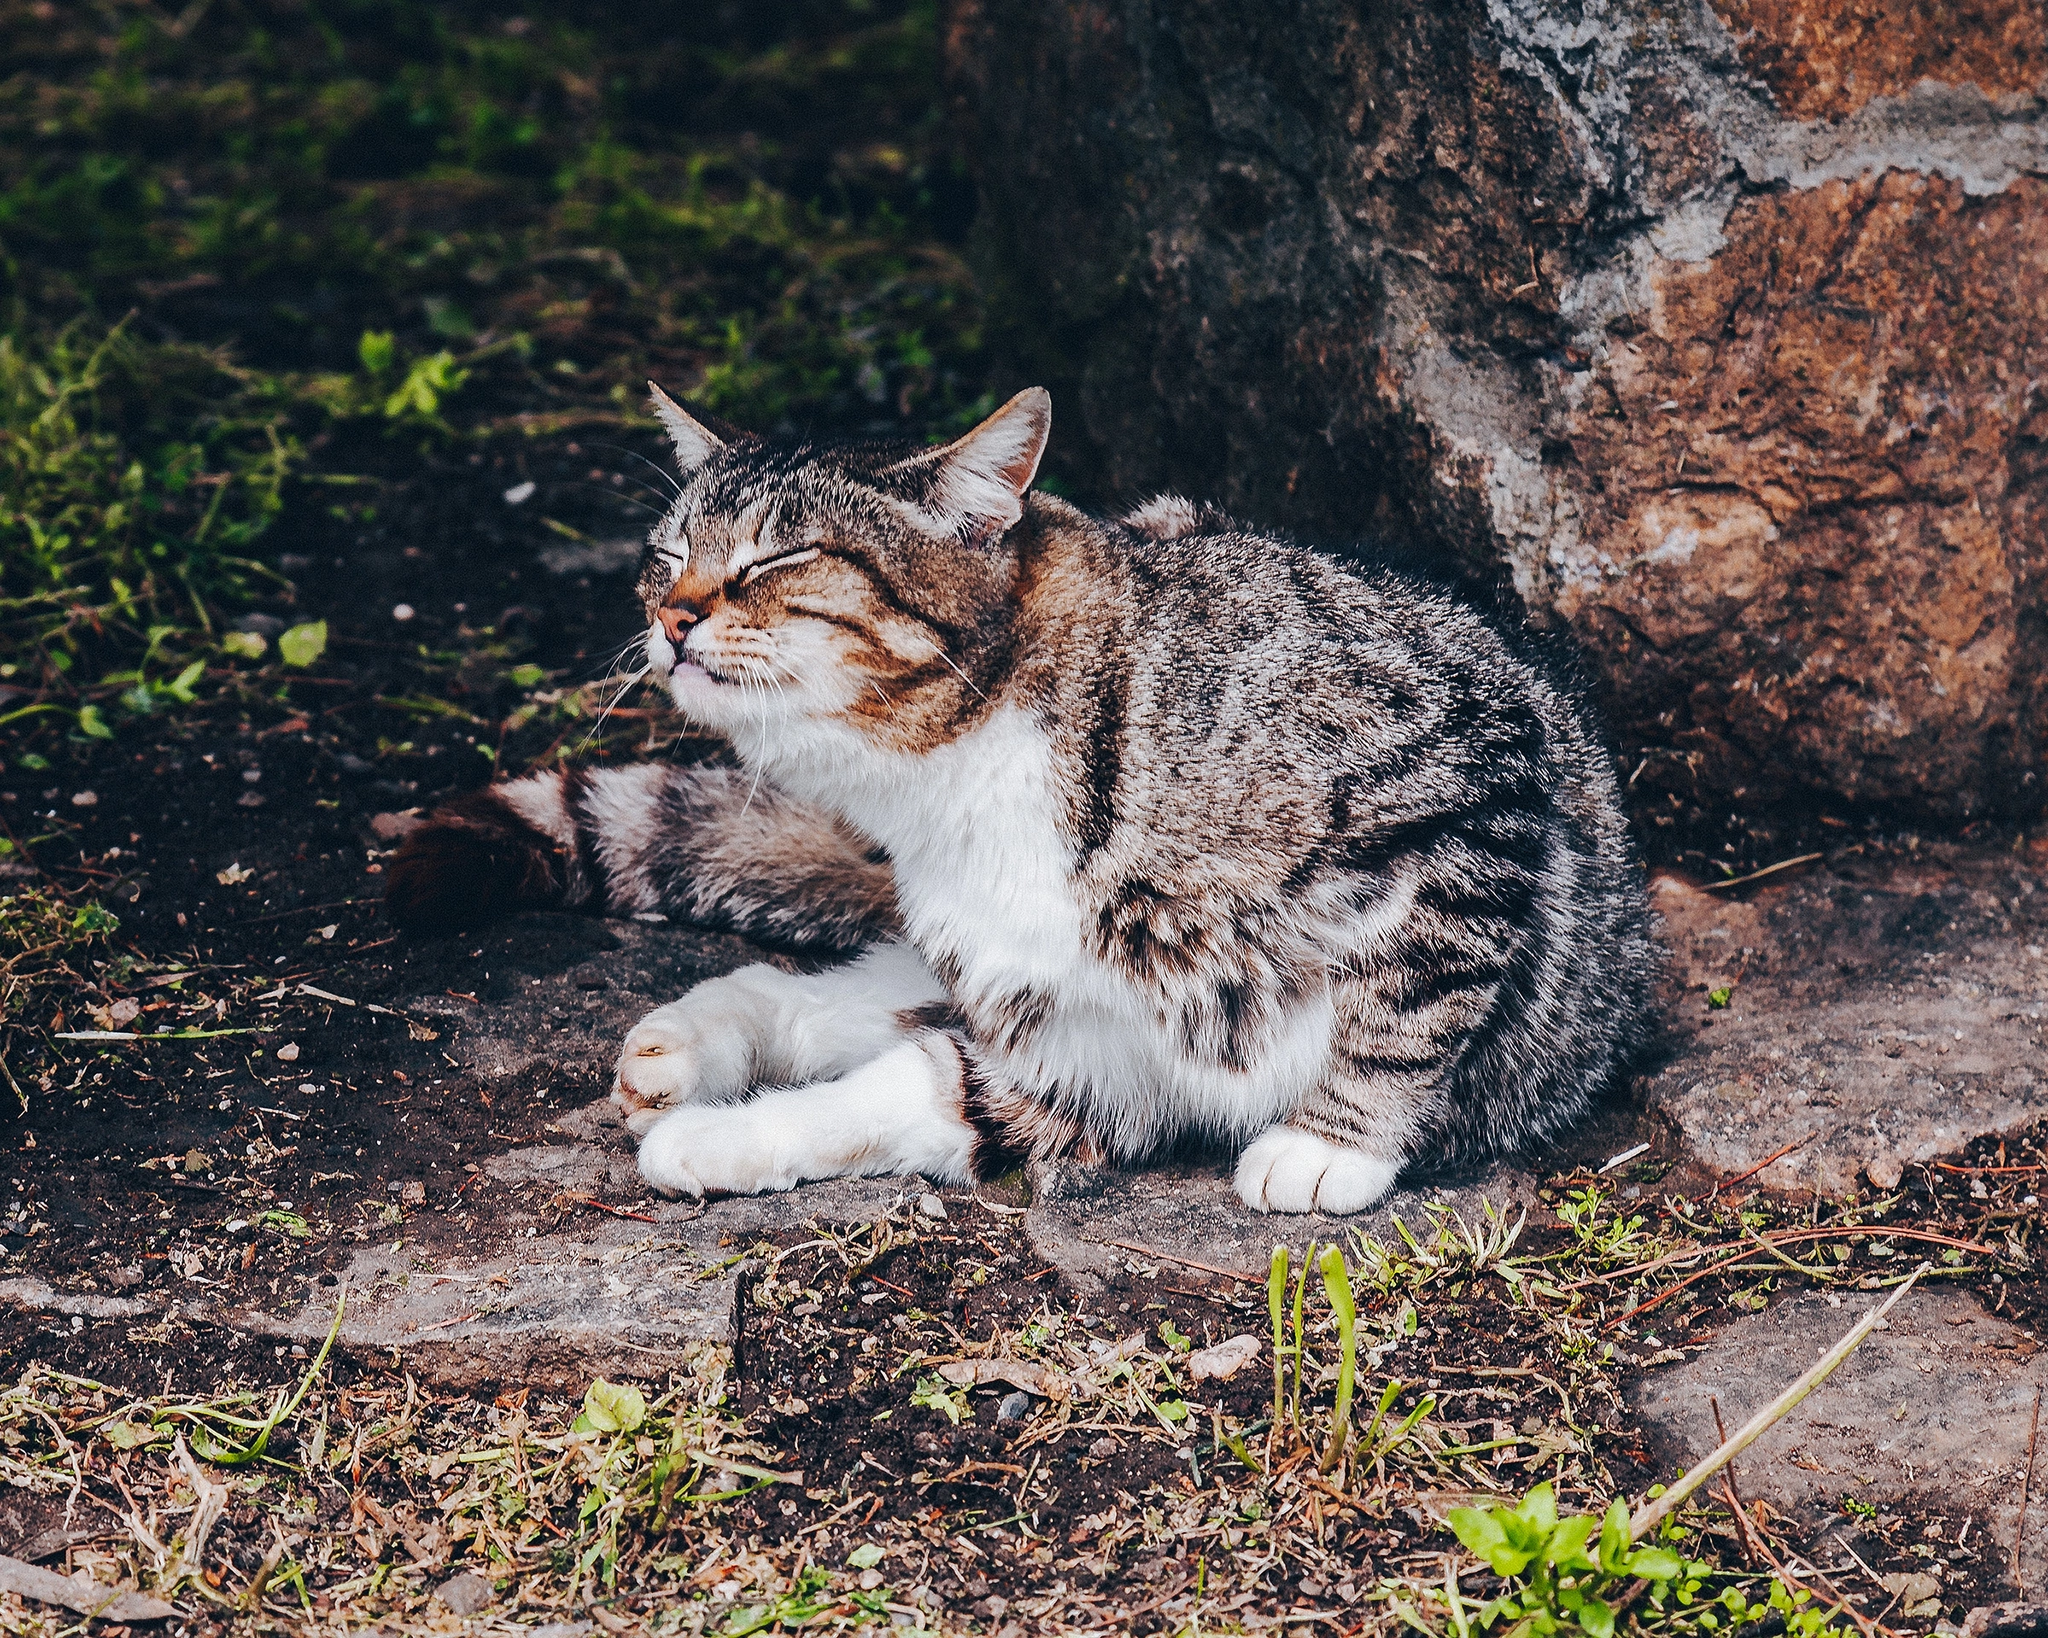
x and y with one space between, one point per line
1287 1169
676 1055
714 1150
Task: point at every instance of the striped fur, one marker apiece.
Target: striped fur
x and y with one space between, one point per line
708 845
1190 832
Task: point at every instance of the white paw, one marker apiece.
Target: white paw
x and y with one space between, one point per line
1287 1169
717 1150
678 1054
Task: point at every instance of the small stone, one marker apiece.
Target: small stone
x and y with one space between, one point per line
250 799
467 1593
289 1052
393 827
124 1012
196 1161
1223 1361
85 799
413 1193
1884 1171
1015 1407
520 493
930 1205
402 612
1104 1448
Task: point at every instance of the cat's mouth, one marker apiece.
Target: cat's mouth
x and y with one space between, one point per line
688 668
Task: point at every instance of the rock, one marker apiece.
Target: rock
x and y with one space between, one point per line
1879 1013
2007 1621
80 1592
1225 1360
1189 1220
1014 1407
395 827
1931 1413
1708 327
467 1593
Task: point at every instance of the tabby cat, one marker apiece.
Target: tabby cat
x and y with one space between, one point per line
1137 832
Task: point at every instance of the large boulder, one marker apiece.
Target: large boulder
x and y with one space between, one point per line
1721 330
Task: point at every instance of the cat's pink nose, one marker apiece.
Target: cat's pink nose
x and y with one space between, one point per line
674 620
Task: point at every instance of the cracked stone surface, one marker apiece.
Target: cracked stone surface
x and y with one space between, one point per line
1935 1406
1877 1016
1190 1215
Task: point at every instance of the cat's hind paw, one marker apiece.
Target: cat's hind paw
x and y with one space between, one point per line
1287 1169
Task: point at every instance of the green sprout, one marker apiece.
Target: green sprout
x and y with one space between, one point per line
1337 1287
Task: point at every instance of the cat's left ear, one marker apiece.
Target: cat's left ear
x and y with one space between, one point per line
976 484
694 442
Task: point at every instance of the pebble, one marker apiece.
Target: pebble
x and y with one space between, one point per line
519 493
86 799
930 1205
466 1593
1015 1407
288 1052
402 612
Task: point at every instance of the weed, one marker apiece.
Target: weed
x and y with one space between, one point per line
1557 1583
135 480
41 937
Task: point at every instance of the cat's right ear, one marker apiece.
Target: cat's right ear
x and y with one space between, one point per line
694 442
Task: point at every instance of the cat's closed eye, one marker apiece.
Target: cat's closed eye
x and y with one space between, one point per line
786 561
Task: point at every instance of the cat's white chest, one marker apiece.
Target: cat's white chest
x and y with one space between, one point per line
982 867
984 881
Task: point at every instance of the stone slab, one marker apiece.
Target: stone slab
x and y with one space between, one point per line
1932 1411
1877 1016
1190 1216
637 1294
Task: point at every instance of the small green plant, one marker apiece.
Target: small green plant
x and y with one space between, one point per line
935 1394
1561 1575
41 936
134 479
1337 1287
1276 1297
1606 1237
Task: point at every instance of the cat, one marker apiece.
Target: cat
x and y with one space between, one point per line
1138 832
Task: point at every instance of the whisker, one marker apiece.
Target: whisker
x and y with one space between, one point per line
662 473
630 500
611 703
969 681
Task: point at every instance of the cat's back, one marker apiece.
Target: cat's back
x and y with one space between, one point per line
1225 660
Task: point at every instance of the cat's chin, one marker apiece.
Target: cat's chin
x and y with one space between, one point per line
699 694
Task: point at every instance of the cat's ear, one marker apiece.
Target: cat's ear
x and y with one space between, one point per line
694 443
976 483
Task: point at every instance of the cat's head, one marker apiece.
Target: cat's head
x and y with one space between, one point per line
864 583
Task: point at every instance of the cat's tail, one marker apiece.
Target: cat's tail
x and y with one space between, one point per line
706 845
